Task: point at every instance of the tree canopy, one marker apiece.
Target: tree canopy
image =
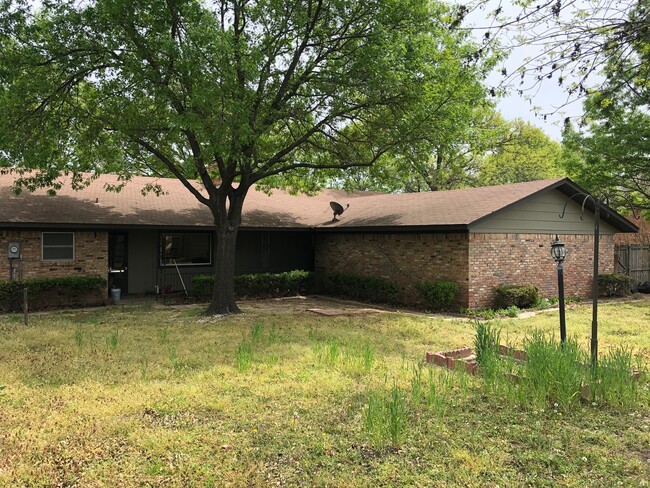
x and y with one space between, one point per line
448 159
522 152
231 93
489 150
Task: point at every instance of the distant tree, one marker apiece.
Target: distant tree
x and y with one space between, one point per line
522 152
446 160
239 91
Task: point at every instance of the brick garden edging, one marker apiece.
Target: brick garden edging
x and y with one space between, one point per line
456 358
518 354
465 358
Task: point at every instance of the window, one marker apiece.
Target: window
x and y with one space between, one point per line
57 246
186 249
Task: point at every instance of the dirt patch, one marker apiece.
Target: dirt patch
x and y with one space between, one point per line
336 312
312 304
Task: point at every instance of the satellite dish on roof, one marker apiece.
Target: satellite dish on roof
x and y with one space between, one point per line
338 209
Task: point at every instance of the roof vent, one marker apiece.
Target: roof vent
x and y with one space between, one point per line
338 209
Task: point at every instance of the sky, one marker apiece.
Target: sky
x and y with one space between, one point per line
549 99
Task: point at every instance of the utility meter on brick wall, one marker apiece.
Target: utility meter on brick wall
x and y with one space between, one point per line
14 250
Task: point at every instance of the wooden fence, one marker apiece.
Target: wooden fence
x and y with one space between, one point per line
634 261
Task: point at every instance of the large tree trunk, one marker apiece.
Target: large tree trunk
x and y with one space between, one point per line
226 210
223 295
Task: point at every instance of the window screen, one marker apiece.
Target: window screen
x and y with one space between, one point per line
58 246
187 248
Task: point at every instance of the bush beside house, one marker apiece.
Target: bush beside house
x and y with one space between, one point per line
614 285
50 293
437 295
262 285
364 288
521 296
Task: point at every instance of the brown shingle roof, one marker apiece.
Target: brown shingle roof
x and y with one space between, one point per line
177 207
439 208
93 206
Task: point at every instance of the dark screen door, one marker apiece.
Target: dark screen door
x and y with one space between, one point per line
117 261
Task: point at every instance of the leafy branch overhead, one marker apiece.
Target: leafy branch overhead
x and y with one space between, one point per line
610 149
238 91
568 41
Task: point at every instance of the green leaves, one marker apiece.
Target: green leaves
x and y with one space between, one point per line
522 152
240 90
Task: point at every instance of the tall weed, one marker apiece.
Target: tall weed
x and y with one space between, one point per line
144 368
163 334
332 351
274 335
558 374
435 395
397 416
257 330
613 382
553 372
112 340
79 337
417 388
360 357
368 354
244 355
386 417
486 341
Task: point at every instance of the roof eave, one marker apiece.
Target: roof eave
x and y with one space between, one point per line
395 228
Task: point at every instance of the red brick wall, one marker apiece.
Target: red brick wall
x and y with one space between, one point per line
403 257
524 259
477 262
91 255
635 238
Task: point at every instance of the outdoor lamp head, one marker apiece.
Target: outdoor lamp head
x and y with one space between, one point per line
557 250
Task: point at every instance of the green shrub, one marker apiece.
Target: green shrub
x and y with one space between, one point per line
512 311
522 296
50 292
263 285
614 285
438 295
201 285
365 288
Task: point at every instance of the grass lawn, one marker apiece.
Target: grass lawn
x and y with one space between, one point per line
161 396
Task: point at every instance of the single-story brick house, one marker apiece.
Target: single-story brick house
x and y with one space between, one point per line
479 237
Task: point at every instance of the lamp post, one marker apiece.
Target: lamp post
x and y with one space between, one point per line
559 253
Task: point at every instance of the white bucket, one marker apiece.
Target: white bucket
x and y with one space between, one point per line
116 293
